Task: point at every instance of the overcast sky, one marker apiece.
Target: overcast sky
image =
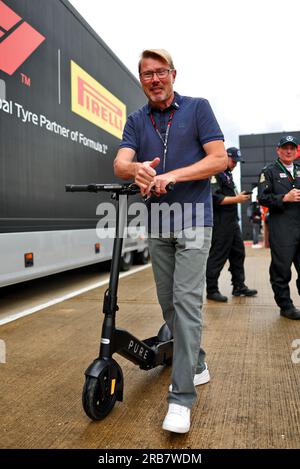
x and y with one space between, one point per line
242 55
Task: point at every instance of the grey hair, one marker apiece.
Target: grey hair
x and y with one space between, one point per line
156 54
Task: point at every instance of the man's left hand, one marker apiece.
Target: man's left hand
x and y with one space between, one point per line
160 182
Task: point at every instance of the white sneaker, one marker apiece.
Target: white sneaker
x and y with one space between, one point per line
200 378
177 419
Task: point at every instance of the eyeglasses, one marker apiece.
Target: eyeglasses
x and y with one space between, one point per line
163 73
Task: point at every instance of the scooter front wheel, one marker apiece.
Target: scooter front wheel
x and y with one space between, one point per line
99 394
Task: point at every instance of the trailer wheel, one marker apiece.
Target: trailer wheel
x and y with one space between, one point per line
126 261
142 257
97 399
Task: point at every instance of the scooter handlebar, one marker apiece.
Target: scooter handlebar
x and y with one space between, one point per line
95 187
115 188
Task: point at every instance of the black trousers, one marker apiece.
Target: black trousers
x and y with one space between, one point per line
227 244
283 256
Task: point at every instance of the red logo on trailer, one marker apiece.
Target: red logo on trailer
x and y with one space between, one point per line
18 40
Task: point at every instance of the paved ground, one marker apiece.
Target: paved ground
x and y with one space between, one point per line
252 401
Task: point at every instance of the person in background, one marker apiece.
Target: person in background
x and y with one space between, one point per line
279 190
227 241
175 139
255 219
265 221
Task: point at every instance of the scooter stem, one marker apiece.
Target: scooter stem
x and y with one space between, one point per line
110 297
121 216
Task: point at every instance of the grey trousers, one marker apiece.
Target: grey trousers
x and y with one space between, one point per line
179 265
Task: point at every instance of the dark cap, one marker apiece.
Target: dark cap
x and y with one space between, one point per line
235 154
288 139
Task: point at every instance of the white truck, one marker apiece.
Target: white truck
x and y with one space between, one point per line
64 98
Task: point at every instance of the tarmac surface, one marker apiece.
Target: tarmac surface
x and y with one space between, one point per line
252 400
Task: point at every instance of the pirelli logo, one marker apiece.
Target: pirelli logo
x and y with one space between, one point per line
95 103
18 40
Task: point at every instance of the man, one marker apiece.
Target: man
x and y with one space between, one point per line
175 139
227 242
279 190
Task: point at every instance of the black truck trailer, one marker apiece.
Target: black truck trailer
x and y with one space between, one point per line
64 99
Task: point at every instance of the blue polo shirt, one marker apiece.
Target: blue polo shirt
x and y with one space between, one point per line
193 125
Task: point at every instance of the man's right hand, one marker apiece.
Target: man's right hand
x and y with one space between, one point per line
145 173
242 197
292 196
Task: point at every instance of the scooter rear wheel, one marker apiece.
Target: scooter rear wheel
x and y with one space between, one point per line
97 398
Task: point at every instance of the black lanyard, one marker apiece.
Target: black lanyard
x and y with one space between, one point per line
228 177
291 178
164 140
229 180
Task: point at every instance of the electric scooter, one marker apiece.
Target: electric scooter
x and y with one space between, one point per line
104 378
